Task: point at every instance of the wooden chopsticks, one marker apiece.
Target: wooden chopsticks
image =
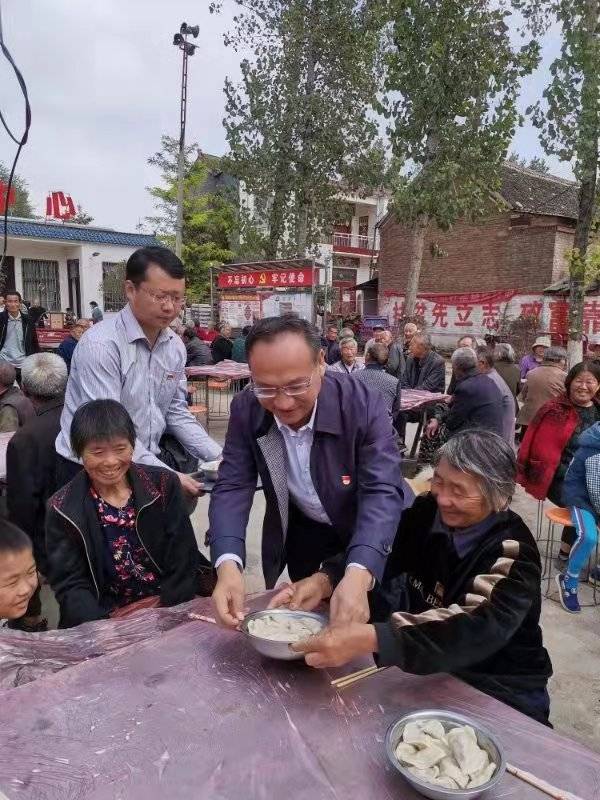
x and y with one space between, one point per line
353 677
543 786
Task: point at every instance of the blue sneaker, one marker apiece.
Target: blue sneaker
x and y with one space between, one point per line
568 597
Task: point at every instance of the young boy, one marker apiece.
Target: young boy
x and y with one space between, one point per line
18 572
581 494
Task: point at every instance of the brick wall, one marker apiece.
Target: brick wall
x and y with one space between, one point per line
485 256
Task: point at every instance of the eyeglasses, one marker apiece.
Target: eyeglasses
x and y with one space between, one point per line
162 298
291 390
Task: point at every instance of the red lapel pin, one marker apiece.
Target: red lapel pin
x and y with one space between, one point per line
346 480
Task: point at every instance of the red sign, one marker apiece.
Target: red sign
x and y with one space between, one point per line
60 206
267 279
4 200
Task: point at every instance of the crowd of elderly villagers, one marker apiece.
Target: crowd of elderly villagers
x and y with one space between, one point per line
100 481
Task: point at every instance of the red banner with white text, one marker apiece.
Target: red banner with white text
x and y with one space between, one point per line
267 279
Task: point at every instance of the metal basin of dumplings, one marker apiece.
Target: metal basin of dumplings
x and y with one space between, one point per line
269 647
449 720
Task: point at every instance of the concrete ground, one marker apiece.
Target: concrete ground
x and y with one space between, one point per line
573 641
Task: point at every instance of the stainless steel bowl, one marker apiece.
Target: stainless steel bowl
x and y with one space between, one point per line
268 647
449 720
210 469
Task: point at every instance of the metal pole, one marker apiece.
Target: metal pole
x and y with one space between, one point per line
181 159
212 302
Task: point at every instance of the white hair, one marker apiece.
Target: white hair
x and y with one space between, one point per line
487 457
464 359
44 375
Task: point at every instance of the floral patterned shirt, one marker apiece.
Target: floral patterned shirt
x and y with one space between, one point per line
130 572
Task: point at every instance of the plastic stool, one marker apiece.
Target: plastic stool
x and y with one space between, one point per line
561 517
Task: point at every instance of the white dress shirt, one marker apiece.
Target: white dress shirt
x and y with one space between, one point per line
298 444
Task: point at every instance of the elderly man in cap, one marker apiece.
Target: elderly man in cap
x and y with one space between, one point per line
535 358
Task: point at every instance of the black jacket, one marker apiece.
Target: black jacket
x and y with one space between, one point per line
30 474
476 403
431 377
30 340
221 349
75 543
476 617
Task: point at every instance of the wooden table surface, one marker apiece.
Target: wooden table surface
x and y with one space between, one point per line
196 713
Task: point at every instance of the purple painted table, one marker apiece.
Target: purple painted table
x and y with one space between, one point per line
195 713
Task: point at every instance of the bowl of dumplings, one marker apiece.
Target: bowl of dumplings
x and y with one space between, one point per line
445 755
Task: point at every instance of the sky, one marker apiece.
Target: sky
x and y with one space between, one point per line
104 84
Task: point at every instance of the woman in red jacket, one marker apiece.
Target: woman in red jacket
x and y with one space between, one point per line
551 439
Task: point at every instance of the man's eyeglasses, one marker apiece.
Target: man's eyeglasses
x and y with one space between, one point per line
291 390
162 298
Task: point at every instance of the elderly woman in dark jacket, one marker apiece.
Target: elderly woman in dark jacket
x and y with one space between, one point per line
462 585
118 532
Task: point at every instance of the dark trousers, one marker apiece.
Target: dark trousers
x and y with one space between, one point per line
308 544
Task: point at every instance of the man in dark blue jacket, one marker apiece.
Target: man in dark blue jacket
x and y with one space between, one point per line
324 448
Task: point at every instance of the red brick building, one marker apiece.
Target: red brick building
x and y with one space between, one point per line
503 261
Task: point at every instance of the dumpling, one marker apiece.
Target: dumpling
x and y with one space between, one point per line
482 776
467 753
433 727
425 758
449 769
404 750
413 734
445 781
427 775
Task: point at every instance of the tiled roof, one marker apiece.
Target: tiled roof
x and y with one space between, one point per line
531 192
31 229
535 193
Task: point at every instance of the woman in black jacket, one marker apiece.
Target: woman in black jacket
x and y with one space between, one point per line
461 591
222 346
118 532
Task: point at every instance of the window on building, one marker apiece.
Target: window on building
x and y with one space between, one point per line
113 285
363 226
41 282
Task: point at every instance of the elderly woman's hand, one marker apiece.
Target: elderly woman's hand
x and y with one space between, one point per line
305 595
335 646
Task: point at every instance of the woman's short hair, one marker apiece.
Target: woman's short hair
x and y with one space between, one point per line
487 457
100 421
583 366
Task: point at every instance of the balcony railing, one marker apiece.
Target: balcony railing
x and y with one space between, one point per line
340 241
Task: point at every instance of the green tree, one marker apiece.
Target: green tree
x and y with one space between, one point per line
209 217
568 118
537 164
81 217
451 81
22 206
299 120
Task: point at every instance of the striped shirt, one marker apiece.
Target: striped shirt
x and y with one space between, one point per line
114 360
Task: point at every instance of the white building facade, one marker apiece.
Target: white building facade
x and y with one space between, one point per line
67 266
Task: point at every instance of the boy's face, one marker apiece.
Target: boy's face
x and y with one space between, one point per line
18 582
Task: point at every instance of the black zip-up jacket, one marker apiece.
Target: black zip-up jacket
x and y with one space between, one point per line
30 340
75 544
476 617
